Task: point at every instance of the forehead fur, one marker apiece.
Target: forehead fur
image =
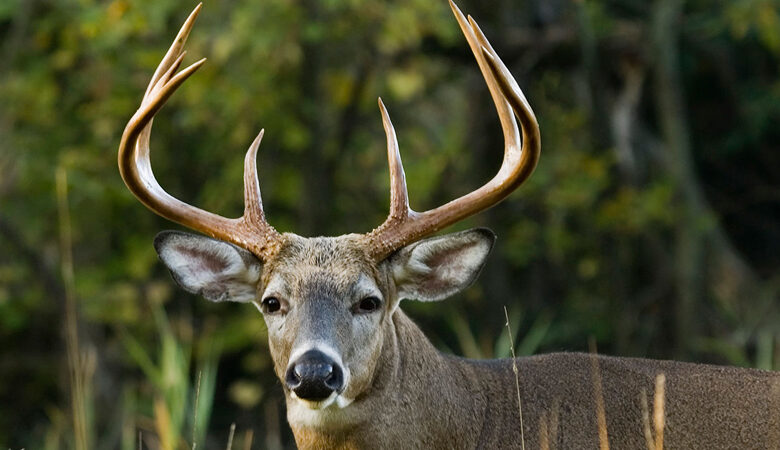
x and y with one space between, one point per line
342 256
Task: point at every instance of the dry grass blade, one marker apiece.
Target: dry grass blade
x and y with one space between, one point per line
774 404
230 436
658 410
75 361
163 426
553 428
544 434
649 441
517 379
548 427
598 393
655 438
195 412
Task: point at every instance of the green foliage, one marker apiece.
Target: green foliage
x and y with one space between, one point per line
588 247
177 400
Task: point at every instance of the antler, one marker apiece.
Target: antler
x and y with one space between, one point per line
403 225
250 231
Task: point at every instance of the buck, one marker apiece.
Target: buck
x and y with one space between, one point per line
358 373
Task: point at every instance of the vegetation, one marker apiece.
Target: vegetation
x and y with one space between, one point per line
649 227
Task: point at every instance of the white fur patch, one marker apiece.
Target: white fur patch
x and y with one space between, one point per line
276 287
313 414
434 269
366 287
215 269
302 412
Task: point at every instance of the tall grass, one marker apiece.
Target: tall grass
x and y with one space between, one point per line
175 406
598 393
79 368
178 409
517 379
179 403
655 437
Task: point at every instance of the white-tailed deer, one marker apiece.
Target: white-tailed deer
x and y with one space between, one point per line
358 373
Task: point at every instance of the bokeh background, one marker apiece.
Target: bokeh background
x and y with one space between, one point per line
650 227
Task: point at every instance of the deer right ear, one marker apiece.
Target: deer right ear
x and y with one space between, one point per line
214 269
436 268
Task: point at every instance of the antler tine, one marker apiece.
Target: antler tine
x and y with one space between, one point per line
175 50
250 231
134 162
521 153
508 124
529 156
399 197
253 201
511 92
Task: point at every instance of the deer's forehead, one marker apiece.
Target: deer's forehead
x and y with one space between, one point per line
332 263
322 251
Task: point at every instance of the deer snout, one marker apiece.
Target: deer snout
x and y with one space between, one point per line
314 376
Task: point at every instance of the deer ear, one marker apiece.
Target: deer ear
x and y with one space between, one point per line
435 268
214 269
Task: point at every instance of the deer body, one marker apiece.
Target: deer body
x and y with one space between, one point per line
427 400
357 372
403 393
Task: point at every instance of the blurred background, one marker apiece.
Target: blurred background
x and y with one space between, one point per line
650 228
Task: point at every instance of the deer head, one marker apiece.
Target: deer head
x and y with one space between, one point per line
328 301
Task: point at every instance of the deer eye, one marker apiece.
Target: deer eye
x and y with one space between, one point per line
367 305
271 305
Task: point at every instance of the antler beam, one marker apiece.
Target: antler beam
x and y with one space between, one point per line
250 231
521 153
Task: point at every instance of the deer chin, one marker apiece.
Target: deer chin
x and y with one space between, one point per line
334 411
335 400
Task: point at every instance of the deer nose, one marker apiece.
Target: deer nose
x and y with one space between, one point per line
314 376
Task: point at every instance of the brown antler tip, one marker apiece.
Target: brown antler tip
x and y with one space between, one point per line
252 153
382 107
187 27
385 115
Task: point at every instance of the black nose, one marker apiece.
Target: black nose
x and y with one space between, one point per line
314 376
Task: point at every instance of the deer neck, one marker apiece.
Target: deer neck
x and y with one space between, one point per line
419 399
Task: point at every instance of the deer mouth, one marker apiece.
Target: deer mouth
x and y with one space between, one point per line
335 400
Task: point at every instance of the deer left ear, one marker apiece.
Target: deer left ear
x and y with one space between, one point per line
214 269
436 268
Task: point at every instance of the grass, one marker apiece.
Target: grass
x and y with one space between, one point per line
168 370
655 437
548 424
517 379
598 392
79 369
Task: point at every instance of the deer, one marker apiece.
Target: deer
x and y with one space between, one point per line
357 372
